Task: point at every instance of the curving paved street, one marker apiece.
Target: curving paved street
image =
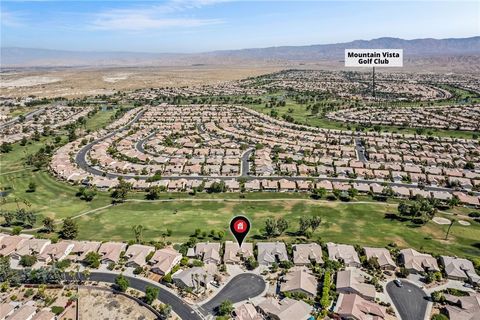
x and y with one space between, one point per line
28 116
240 288
411 301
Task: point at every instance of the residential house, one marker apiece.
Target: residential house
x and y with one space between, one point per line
246 311
9 244
417 262
286 309
300 280
31 247
208 252
353 306
6 310
235 254
270 252
194 278
287 185
110 252
306 253
345 253
467 307
164 260
55 252
82 248
383 256
459 269
351 281
253 185
137 254
25 312
44 315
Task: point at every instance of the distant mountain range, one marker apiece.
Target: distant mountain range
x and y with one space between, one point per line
422 49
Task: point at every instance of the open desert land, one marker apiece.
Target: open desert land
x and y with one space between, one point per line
80 82
104 304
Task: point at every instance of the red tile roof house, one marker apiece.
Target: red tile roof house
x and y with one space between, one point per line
299 280
327 185
269 185
401 191
383 256
286 309
8 244
234 254
351 281
232 185
467 199
376 188
361 187
353 306
304 185
82 248
442 195
253 185
287 186
137 254
110 252
31 247
246 311
163 260
25 312
55 252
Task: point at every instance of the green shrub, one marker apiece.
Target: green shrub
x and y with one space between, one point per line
57 310
325 299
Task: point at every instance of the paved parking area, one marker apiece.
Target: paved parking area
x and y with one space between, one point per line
409 300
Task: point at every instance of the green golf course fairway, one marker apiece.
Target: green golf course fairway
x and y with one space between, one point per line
353 223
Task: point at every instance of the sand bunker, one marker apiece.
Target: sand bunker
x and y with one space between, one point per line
439 220
463 222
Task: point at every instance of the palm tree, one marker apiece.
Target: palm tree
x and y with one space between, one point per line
86 274
138 231
72 275
449 227
205 281
197 284
77 272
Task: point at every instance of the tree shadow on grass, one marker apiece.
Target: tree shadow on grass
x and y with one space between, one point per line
393 216
259 237
476 245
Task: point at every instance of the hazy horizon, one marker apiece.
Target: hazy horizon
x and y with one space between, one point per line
152 52
187 26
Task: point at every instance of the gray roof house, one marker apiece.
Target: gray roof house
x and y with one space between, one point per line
460 269
192 278
270 252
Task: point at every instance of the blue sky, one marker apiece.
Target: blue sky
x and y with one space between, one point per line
206 25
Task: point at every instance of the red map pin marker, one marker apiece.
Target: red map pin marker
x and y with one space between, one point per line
239 226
